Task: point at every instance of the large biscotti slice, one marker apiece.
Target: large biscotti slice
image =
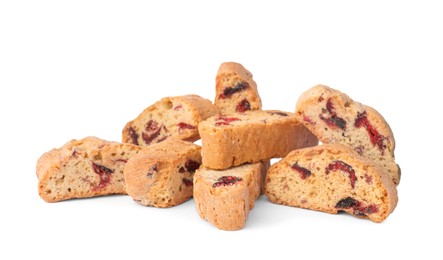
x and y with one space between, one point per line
235 89
171 117
83 168
335 118
224 198
253 136
162 174
332 178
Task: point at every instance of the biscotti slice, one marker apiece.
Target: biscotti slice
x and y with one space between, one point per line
235 89
335 118
252 136
162 174
171 117
332 178
83 168
224 198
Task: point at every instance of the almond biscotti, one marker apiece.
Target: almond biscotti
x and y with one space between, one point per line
162 174
335 118
83 168
225 197
171 117
332 178
235 90
252 136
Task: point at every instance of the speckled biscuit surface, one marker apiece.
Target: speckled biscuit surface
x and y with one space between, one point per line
171 117
162 174
332 178
335 118
253 136
236 91
83 168
225 197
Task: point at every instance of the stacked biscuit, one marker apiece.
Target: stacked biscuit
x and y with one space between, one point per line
158 165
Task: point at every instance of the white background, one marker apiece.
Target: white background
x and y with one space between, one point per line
70 69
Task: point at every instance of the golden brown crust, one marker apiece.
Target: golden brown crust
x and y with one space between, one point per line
162 174
83 168
236 91
227 206
249 137
171 117
335 118
330 178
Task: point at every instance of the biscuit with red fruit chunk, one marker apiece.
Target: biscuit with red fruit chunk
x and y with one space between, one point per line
332 178
253 136
171 117
83 168
225 197
235 89
335 118
162 174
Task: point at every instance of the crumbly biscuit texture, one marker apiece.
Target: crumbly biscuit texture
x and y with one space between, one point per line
253 136
171 117
83 168
236 91
162 175
332 178
335 118
225 197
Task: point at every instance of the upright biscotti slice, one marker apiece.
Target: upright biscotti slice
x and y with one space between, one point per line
335 118
162 174
224 198
235 89
253 136
332 178
83 168
171 117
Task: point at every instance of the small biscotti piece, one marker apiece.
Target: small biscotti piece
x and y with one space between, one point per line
335 118
332 178
83 168
235 90
162 174
253 136
171 117
224 198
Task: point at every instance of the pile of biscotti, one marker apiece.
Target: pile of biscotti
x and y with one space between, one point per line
157 164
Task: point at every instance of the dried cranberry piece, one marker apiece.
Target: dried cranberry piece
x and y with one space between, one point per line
74 154
376 138
191 166
368 179
148 138
342 166
229 91
308 120
133 134
187 182
226 181
357 206
151 125
182 126
152 171
105 175
178 107
333 120
279 113
224 120
243 106
304 173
